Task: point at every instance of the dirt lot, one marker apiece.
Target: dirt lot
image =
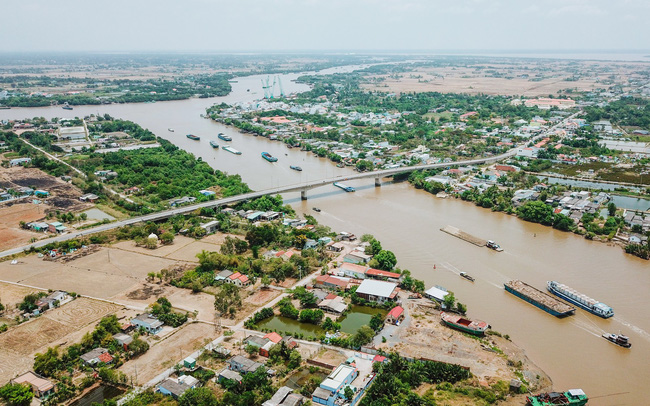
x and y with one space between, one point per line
427 337
167 352
182 299
183 248
103 274
63 196
55 327
11 295
261 297
11 235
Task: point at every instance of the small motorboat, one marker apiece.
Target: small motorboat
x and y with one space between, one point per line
171 130
618 339
494 246
316 209
295 168
466 276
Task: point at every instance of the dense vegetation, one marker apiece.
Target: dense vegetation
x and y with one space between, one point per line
627 111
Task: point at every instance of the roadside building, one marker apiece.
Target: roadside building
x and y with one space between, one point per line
223 275
357 257
20 161
41 387
150 323
96 356
172 387
210 227
353 270
377 291
56 227
52 300
383 275
330 282
123 339
243 365
238 279
228 374
332 388
396 315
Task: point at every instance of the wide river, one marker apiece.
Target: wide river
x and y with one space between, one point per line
408 221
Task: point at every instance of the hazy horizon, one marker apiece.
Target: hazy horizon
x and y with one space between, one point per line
317 26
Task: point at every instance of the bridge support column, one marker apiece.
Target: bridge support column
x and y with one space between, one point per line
303 194
377 181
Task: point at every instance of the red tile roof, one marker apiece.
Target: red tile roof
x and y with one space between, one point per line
105 358
396 312
378 272
379 358
273 336
331 296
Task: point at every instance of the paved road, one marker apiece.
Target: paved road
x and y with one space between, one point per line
252 195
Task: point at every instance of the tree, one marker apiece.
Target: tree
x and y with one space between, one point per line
348 393
2 308
167 238
376 322
17 394
138 347
536 212
198 397
611 209
151 243
227 298
251 349
449 300
266 281
461 308
330 325
363 336
385 260
47 364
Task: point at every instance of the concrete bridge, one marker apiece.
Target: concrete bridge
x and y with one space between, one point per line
302 188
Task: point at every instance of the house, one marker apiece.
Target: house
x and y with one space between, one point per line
40 226
289 342
94 357
437 293
41 387
238 279
257 342
242 364
172 387
228 374
223 275
20 161
333 386
52 300
210 227
332 282
72 133
273 337
383 275
285 397
189 363
379 358
254 216
335 247
333 305
353 270
123 339
357 257
89 197
377 291
396 315
189 380
182 200
56 227
151 324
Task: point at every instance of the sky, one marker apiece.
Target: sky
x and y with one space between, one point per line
323 25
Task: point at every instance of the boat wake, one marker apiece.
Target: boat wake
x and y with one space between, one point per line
641 332
589 328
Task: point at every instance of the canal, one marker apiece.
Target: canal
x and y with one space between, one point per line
408 221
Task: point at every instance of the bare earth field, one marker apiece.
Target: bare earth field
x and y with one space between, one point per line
11 295
103 274
427 337
20 343
183 249
11 235
165 353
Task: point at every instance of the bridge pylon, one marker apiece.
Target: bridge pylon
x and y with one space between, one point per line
377 181
303 194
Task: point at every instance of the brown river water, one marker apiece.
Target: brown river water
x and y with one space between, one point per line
408 221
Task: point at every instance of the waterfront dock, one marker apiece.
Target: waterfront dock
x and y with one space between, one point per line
539 299
464 236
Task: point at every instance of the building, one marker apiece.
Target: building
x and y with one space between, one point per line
285 397
210 227
148 322
437 293
123 339
41 193
52 300
383 275
333 386
377 291
223 275
89 197
238 279
396 315
20 161
357 257
41 387
72 133
333 305
243 365
546 103
353 270
56 227
172 387
189 363
228 374
330 282
94 357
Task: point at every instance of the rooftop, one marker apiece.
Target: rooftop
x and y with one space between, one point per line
377 288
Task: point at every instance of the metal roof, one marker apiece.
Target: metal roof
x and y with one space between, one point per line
376 288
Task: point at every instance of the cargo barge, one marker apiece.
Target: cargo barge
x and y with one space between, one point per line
193 137
539 299
580 300
463 236
344 187
214 144
224 137
269 157
231 150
